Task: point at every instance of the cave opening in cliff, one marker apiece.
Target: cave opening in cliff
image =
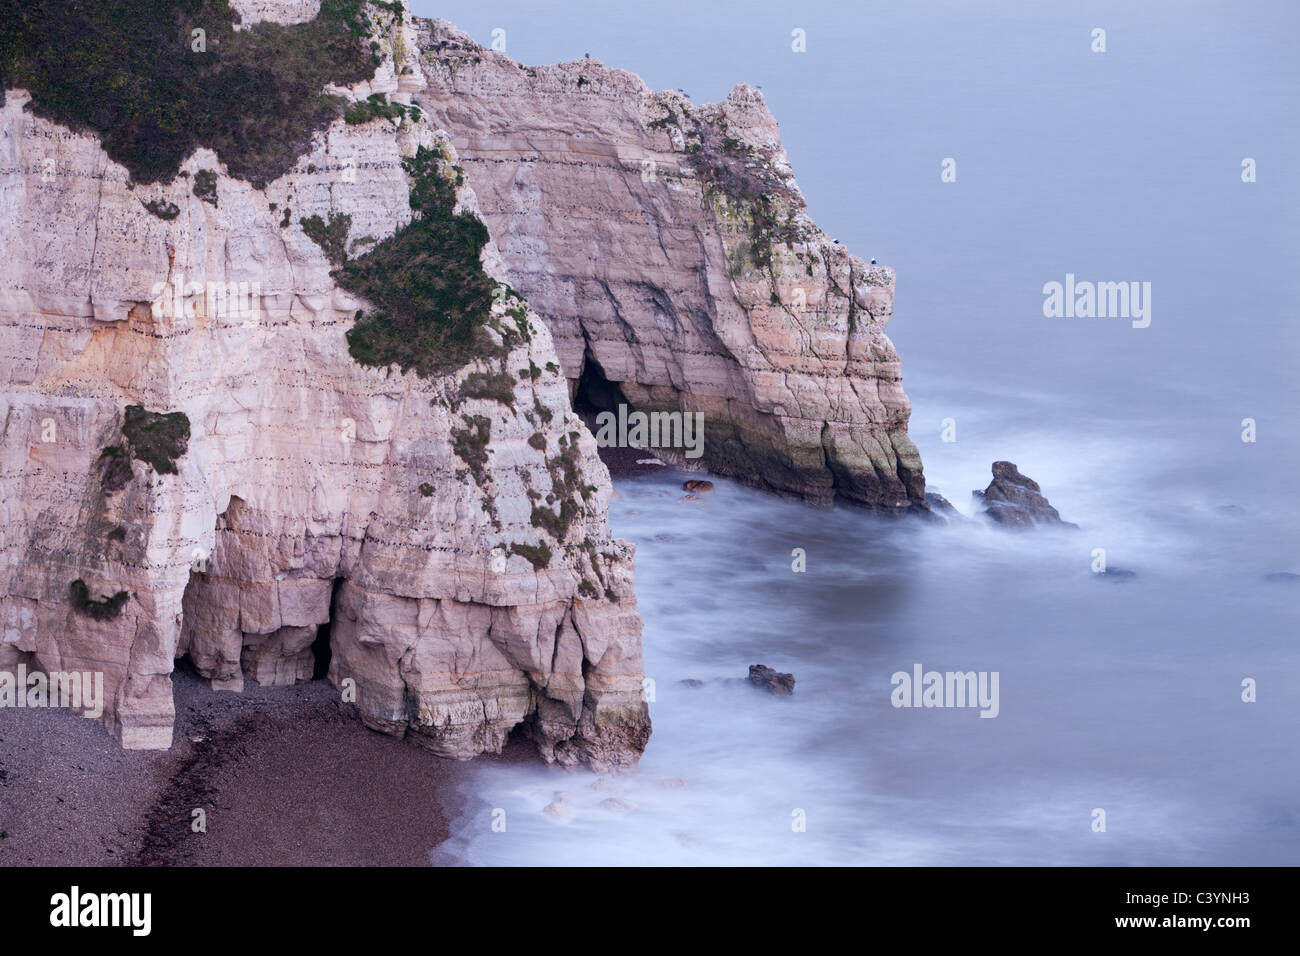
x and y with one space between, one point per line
320 648
595 393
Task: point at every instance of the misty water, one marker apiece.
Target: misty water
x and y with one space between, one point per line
1120 694
1123 695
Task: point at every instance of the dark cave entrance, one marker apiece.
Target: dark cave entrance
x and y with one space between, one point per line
596 393
320 648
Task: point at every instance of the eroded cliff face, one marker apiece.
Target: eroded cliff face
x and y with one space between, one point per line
669 249
409 512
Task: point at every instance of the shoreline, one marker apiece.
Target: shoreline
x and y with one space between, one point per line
285 776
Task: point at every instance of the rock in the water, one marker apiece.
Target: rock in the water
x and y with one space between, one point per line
1013 500
770 680
1117 574
618 805
692 499
942 510
938 503
697 486
691 682
560 809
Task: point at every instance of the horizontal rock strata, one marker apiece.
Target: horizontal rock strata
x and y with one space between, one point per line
668 247
406 514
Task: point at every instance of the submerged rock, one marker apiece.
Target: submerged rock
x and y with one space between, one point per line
939 504
697 486
1117 574
770 680
618 805
1282 577
560 809
942 510
1013 500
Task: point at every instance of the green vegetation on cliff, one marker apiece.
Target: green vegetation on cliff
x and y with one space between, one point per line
331 236
741 176
155 438
431 296
136 73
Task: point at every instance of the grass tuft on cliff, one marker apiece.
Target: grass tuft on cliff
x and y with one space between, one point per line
431 296
132 71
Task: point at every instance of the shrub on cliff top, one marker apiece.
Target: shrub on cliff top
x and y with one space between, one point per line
132 71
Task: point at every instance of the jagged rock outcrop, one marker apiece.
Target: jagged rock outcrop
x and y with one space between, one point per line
772 681
451 530
668 247
941 506
1015 501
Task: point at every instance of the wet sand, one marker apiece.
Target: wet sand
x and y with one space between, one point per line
284 775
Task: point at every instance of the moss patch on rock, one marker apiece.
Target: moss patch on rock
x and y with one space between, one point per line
566 482
156 438
205 186
538 555
331 235
746 189
376 106
470 445
496 386
163 209
104 609
115 467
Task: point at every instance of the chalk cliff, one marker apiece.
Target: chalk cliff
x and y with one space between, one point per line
192 462
245 415
669 249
